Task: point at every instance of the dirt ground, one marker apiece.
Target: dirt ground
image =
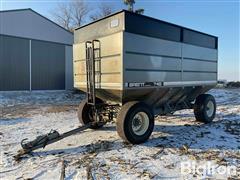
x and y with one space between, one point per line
101 154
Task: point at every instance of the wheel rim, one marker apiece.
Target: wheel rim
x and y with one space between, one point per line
140 123
210 108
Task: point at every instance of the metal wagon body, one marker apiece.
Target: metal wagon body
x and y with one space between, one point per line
127 57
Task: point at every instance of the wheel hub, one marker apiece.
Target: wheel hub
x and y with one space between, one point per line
210 108
140 123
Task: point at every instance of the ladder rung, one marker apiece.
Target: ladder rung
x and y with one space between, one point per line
90 103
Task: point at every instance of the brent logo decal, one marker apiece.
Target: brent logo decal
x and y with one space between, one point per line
144 84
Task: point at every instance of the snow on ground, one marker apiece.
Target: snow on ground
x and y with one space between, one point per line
102 154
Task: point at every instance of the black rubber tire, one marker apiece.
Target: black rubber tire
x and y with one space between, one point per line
84 115
125 118
200 108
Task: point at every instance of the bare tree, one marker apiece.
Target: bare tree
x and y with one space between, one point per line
72 14
62 15
79 11
129 3
104 9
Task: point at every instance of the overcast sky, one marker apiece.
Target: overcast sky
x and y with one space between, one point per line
216 17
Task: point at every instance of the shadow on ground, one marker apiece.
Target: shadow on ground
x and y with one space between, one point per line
13 121
198 136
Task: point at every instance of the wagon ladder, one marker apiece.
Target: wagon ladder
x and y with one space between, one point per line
93 69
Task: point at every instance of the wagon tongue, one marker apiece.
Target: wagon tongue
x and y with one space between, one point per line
43 140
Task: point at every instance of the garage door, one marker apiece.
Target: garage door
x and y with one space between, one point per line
48 66
14 63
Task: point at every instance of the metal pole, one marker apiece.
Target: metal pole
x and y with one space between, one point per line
182 61
30 65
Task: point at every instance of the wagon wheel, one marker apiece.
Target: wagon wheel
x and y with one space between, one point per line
135 122
205 108
85 114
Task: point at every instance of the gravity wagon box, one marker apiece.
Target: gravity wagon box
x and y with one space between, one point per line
134 68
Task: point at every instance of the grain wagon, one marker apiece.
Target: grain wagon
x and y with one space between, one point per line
134 68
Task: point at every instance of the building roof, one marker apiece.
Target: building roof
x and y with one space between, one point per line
28 23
